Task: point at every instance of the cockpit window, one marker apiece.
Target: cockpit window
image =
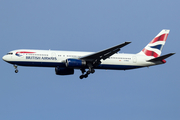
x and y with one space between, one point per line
9 53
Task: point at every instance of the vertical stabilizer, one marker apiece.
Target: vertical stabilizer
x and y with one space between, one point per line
155 47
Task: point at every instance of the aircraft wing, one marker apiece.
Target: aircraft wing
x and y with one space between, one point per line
104 54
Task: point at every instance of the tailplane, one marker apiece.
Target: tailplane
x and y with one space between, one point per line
161 58
155 47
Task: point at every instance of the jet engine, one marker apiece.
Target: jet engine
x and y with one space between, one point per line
75 63
64 71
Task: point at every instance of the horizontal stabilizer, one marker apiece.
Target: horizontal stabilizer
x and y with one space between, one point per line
161 57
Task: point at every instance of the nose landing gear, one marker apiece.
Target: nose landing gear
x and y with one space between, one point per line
16 70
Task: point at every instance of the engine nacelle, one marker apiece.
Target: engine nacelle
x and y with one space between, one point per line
75 63
64 71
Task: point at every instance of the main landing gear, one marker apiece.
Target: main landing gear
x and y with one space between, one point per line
91 70
16 70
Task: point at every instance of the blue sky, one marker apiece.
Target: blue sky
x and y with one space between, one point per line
76 25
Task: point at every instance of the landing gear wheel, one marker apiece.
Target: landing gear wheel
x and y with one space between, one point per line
16 71
86 75
88 72
81 77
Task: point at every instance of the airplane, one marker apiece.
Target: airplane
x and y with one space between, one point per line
65 62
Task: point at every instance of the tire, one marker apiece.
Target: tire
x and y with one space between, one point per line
16 71
86 75
81 77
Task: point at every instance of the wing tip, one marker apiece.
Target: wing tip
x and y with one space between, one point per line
127 42
171 54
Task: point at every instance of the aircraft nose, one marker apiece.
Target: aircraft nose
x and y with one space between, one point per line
4 58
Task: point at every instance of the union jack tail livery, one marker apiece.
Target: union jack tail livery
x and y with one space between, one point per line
155 47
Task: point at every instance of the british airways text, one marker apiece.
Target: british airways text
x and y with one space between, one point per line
41 58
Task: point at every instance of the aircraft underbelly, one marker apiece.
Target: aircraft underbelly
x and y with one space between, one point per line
117 67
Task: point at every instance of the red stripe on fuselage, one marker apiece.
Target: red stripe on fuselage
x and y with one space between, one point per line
25 52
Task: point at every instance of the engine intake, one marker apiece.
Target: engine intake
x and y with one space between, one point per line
75 63
64 71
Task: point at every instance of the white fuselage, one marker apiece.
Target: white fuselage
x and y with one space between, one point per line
51 58
66 61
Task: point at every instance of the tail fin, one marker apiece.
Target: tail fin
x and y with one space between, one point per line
155 47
